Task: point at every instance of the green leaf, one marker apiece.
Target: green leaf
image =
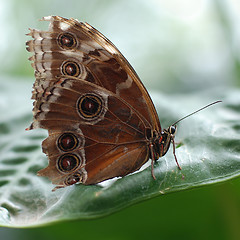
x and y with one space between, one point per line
208 152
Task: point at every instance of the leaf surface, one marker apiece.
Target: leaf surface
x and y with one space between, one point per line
208 152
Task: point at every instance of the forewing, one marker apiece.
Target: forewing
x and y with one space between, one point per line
97 59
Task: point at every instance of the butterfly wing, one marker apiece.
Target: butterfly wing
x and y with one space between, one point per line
92 103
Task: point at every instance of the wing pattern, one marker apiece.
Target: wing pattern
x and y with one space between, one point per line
92 103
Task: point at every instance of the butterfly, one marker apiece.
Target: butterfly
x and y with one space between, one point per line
100 118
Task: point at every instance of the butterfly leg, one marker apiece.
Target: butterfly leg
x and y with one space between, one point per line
152 156
152 169
174 154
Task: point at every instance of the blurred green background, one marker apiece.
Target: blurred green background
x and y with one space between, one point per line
175 47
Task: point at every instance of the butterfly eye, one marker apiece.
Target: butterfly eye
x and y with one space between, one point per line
66 41
172 129
89 106
70 68
67 142
68 162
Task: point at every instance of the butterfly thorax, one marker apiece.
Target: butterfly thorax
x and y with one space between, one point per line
161 142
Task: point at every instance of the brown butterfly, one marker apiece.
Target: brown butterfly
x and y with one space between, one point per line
100 118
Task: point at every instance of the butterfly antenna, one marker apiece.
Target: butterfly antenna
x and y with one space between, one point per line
196 112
